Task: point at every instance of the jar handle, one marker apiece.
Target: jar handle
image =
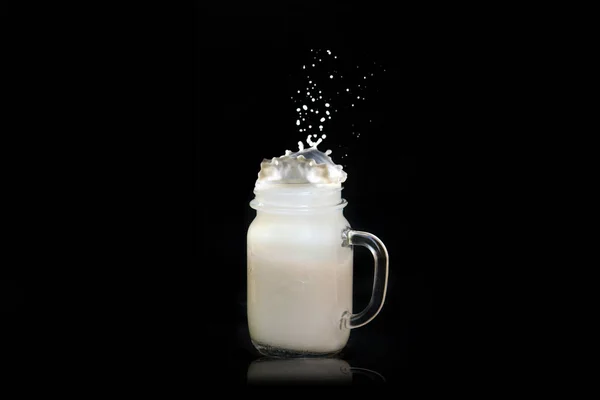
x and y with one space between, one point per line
381 258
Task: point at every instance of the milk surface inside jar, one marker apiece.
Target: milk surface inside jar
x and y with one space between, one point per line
299 274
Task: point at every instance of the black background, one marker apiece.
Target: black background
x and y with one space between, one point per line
248 65
11 295
152 271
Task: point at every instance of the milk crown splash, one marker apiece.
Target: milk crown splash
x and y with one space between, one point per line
305 166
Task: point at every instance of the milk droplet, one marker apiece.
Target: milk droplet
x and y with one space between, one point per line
322 119
300 146
321 127
358 97
334 56
297 122
304 107
328 152
313 65
298 91
329 52
310 126
309 81
298 109
313 99
324 136
326 104
327 112
311 143
330 76
347 90
314 135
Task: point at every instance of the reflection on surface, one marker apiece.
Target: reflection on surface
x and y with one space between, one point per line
326 371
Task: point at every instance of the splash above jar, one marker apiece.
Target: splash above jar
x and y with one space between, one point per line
305 167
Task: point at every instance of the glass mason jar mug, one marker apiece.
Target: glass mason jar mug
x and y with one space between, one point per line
299 271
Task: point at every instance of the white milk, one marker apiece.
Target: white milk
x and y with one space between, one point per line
299 274
299 281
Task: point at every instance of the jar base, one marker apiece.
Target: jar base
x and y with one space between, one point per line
277 352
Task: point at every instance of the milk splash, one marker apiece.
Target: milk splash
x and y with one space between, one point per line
305 166
329 92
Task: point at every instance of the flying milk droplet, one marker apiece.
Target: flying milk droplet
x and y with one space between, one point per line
304 107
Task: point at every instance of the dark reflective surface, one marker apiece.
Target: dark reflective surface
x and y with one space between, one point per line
308 371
